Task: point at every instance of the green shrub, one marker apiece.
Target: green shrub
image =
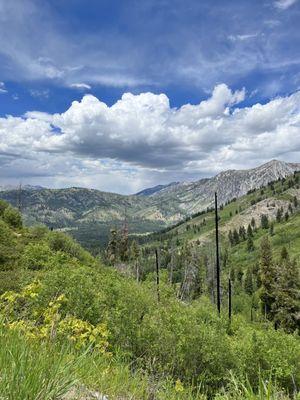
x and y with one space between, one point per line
3 206
58 241
36 256
12 217
8 250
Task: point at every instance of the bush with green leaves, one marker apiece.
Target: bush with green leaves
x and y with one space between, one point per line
36 256
8 246
3 206
58 241
12 217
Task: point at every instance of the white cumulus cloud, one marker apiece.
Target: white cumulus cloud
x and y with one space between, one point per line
141 140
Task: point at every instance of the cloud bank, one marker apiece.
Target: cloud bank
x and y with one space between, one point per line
140 140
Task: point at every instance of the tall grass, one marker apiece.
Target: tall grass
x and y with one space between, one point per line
33 372
266 390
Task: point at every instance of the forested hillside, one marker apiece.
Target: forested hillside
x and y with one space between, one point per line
88 215
76 327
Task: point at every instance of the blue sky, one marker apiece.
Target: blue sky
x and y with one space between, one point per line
55 52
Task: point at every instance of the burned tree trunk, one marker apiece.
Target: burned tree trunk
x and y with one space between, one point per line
217 255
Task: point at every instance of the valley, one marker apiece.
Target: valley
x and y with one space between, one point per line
89 214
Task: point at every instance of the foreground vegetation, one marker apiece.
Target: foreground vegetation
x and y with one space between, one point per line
71 323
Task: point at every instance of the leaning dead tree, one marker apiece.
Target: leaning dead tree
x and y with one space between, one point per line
217 255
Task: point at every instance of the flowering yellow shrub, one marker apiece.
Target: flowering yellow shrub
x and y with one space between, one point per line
48 324
83 333
179 386
11 303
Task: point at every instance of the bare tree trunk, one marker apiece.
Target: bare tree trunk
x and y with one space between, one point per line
217 255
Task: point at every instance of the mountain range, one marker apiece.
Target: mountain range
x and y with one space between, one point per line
90 213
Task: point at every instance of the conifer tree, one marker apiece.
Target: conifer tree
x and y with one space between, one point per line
230 238
249 231
286 216
239 274
279 214
112 252
236 237
124 247
242 233
264 221
268 277
248 282
232 274
295 201
286 307
250 244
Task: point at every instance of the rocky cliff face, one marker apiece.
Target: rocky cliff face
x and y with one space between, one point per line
193 197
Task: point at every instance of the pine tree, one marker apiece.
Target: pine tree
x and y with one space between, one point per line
295 201
250 244
112 247
124 247
279 214
239 274
236 237
286 216
242 233
230 238
286 307
248 282
268 277
249 231
264 221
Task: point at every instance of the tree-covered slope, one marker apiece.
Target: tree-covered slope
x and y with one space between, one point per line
90 214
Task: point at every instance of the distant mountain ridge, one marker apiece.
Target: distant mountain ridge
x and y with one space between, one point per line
155 189
17 187
83 210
